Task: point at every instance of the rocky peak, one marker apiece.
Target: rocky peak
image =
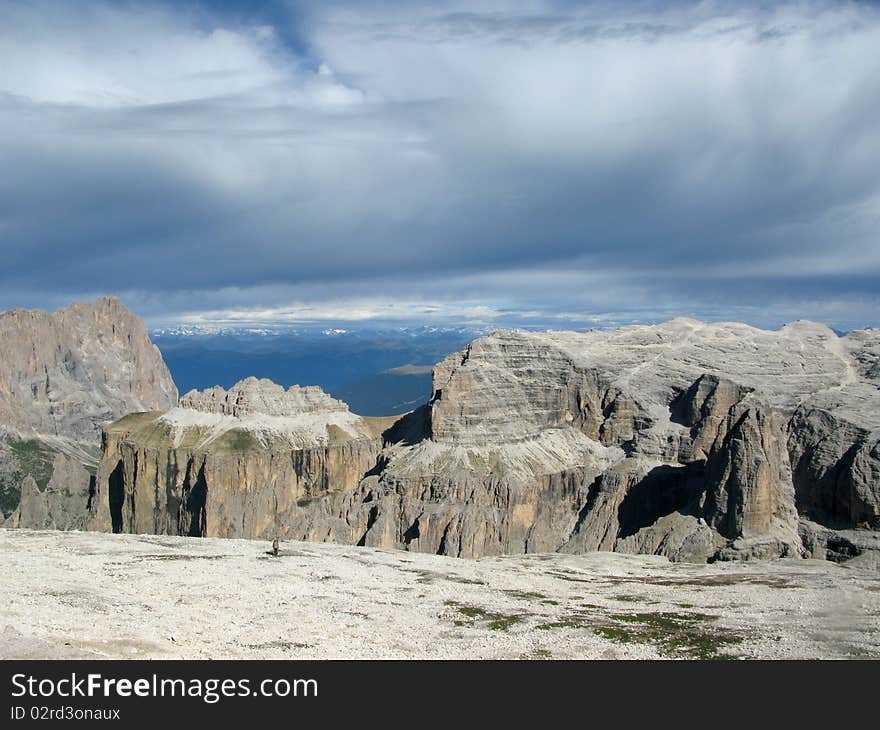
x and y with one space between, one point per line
503 388
255 397
67 373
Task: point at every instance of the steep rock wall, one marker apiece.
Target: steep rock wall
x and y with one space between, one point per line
145 484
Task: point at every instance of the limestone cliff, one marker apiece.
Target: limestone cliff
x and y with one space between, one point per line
692 440
63 376
228 464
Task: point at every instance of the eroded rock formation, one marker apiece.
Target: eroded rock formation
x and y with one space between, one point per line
696 441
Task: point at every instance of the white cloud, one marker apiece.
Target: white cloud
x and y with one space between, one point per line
117 59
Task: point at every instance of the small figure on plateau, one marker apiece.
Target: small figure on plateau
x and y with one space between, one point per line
275 547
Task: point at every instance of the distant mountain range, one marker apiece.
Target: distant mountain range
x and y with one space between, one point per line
314 330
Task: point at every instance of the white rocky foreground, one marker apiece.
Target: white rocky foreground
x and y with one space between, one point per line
82 595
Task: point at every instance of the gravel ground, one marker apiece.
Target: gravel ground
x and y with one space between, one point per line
91 595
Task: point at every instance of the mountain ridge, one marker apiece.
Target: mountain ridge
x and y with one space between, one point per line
674 439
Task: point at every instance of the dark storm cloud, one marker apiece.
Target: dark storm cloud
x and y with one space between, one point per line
469 160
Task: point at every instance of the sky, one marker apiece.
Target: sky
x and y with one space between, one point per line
552 164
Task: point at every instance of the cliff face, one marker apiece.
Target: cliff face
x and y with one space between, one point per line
690 440
70 372
154 487
64 375
227 464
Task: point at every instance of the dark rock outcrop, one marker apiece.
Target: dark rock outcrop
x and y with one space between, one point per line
63 504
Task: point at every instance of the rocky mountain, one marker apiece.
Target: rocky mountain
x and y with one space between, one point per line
261 397
692 440
63 376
